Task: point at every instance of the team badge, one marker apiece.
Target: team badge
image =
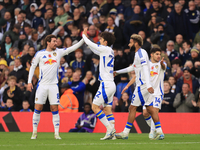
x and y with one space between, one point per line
54 54
156 66
36 99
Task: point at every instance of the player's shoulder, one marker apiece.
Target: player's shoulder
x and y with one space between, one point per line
40 52
142 53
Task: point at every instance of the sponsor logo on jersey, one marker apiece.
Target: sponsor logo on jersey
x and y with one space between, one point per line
44 56
54 54
50 61
152 73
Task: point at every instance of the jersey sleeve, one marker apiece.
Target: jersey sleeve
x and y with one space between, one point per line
34 64
126 70
66 51
93 46
143 58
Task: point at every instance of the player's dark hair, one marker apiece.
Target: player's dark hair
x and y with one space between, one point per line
137 38
109 37
48 39
154 50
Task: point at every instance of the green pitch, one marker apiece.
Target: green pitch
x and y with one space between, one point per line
91 141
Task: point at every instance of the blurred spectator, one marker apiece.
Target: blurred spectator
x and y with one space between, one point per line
194 55
152 25
75 4
183 100
196 70
157 10
176 69
19 72
14 55
148 5
34 39
123 104
93 13
197 3
8 106
2 9
7 17
160 37
119 6
38 20
129 10
78 19
121 85
41 32
194 17
23 13
168 99
28 31
78 88
75 35
95 65
25 6
62 68
68 101
104 7
28 57
169 6
167 27
171 53
112 28
189 79
189 64
172 82
3 27
60 33
86 122
113 14
61 18
5 46
179 42
67 9
33 8
79 62
146 45
3 75
14 33
13 92
25 106
185 52
197 38
11 66
134 25
180 22
68 75
92 85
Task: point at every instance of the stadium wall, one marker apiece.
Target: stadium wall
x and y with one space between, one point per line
172 123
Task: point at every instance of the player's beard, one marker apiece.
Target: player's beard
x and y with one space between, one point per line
132 49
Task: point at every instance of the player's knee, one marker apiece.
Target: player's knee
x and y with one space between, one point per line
146 114
132 108
94 107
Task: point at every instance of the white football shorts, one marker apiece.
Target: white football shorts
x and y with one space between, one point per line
105 93
47 90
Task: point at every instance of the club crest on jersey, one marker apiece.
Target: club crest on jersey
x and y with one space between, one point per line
156 66
36 99
54 54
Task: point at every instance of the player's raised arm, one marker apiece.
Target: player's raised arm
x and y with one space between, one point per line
34 63
125 70
66 51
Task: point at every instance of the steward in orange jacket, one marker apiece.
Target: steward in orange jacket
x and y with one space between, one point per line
68 101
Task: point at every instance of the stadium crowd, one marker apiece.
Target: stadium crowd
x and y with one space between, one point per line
172 25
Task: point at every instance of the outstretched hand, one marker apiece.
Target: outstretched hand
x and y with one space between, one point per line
115 73
126 87
162 64
85 31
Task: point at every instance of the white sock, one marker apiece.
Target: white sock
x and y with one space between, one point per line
104 120
56 122
36 120
128 127
148 120
111 120
158 127
152 126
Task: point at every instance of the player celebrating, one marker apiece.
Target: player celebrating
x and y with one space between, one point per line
49 61
157 70
144 89
107 87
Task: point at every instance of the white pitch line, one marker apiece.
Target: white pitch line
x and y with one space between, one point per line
96 144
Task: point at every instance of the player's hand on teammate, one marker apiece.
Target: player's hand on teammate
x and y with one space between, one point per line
126 87
150 90
29 87
115 73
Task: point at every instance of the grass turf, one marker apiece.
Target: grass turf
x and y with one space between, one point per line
91 141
